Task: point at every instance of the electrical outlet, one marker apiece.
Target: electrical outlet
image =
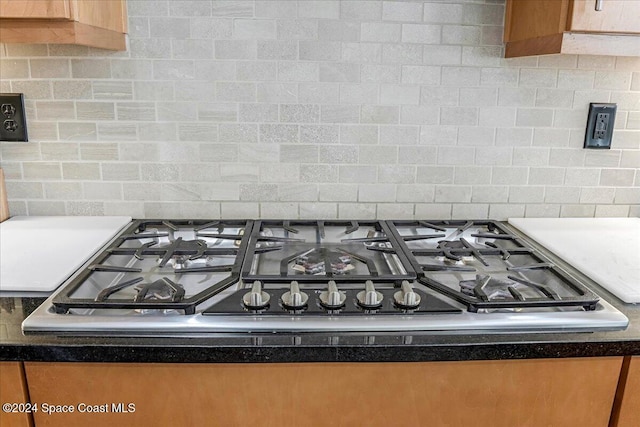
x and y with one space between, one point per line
13 126
600 125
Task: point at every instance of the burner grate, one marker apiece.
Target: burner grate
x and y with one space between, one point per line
170 265
308 251
509 273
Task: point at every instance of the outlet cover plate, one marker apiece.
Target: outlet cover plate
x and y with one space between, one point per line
13 120
600 125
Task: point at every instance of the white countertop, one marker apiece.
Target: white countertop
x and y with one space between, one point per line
605 249
38 253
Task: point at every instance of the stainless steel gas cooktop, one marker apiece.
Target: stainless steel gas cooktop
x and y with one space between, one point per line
197 277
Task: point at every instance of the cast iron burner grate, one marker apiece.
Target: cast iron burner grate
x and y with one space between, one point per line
160 285
489 253
312 251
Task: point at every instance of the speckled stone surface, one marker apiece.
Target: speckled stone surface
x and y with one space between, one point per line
313 347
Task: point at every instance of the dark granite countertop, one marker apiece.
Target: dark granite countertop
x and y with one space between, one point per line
314 347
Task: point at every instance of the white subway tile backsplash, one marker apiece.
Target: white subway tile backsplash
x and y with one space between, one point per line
614 211
339 113
318 173
376 193
278 133
32 89
395 211
350 109
362 93
359 134
300 29
41 170
239 210
235 9
401 53
338 154
364 53
326 9
318 210
380 32
453 194
254 29
546 176
419 115
503 211
339 30
319 134
357 174
435 174
278 210
378 154
433 210
256 71
381 114
534 117
459 116
396 174
417 193
40 68
420 33
57 151
70 131
361 10
442 55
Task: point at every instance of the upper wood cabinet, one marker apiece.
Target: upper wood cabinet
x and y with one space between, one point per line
540 27
94 23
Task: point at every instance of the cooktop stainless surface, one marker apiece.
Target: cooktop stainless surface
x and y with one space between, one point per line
188 278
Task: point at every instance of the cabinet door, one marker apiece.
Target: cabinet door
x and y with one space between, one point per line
31 9
13 390
522 393
616 16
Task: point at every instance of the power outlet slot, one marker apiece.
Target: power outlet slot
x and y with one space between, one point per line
600 123
13 120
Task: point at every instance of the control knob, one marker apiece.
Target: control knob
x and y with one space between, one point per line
369 298
294 298
332 297
256 298
406 297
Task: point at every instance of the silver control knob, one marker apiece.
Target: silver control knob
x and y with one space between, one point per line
406 297
256 298
369 298
294 298
332 297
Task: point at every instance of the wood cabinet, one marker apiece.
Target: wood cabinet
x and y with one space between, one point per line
13 389
554 392
86 22
626 411
538 27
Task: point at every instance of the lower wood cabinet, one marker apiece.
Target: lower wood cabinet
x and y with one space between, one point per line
627 408
542 392
13 396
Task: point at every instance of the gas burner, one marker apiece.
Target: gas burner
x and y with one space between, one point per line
487 288
448 246
194 248
315 262
159 290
